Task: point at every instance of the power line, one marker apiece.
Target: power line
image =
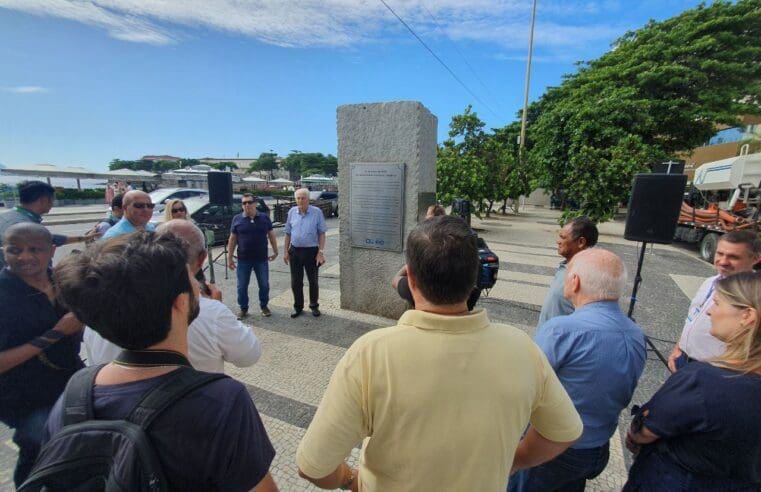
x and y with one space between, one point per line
464 58
454 75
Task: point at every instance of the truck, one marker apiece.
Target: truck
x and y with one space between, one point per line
725 196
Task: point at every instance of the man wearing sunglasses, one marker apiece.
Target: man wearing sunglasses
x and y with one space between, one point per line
138 209
249 233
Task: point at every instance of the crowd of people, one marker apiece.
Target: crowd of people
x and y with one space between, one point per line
444 400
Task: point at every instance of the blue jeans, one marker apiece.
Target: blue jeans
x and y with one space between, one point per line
568 472
28 437
243 272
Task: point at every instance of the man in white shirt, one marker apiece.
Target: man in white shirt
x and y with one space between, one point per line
737 251
214 337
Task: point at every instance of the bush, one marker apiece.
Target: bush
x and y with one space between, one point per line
72 194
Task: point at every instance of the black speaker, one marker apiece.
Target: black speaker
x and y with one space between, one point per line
220 188
654 207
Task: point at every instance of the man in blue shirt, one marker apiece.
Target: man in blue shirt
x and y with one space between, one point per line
249 233
577 235
304 249
138 210
598 354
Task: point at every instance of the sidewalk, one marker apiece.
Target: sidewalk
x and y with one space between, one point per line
299 355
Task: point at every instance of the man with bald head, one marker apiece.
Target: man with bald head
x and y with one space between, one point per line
598 354
39 340
214 337
138 209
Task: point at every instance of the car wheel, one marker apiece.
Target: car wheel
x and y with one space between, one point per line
708 246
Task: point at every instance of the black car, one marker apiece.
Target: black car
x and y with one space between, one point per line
217 218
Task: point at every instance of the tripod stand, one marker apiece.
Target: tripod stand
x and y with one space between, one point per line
635 289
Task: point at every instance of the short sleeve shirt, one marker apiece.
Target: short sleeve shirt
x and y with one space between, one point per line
212 439
26 313
555 304
708 419
305 229
439 402
251 235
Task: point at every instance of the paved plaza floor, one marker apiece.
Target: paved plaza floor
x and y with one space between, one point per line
299 355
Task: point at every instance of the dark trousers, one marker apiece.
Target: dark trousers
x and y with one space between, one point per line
304 259
27 435
568 472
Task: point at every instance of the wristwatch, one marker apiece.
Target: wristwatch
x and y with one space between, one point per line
322 251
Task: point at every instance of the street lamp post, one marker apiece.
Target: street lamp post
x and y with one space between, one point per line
528 76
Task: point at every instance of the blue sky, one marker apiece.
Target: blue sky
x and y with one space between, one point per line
84 82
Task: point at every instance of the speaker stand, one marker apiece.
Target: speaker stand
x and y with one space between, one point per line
635 289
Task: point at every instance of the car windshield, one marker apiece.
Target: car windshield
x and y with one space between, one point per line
158 196
194 204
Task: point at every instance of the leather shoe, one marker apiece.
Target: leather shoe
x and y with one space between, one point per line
315 311
296 314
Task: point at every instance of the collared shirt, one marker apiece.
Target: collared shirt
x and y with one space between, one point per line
214 337
20 215
555 304
122 227
305 229
696 340
26 313
441 403
251 236
598 354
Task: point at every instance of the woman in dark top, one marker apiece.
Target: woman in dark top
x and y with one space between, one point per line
701 430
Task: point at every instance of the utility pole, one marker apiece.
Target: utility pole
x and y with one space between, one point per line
528 77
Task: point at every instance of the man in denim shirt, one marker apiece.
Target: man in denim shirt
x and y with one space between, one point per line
304 249
598 354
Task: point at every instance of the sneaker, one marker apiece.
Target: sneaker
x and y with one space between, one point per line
243 313
266 312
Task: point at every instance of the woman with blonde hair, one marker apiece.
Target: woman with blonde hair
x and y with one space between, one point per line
701 430
175 209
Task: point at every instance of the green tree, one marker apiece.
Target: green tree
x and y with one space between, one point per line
662 89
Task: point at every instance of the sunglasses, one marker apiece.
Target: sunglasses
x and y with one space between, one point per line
248 202
141 206
178 210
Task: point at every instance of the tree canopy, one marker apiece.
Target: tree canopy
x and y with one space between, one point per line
661 90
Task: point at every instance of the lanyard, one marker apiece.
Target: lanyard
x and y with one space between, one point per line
151 358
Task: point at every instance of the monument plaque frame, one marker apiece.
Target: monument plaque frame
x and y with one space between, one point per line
376 198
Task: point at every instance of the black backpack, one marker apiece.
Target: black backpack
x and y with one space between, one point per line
488 266
108 455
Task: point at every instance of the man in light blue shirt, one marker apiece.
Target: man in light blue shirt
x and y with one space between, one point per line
304 249
598 354
138 209
577 235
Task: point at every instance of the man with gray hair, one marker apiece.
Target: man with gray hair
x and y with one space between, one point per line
304 249
214 337
598 354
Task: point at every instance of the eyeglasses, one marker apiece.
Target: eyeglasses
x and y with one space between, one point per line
141 206
247 202
178 210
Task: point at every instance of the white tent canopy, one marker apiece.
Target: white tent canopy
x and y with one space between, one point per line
281 181
254 179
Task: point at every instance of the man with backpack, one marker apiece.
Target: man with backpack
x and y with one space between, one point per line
147 421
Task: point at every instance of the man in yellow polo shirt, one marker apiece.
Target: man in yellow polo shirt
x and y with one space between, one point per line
439 401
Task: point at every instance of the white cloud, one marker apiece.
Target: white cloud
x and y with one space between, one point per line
299 23
25 89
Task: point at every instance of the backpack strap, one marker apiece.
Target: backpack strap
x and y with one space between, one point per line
180 383
77 397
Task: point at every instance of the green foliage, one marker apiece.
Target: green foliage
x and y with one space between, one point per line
266 162
151 166
74 194
479 166
661 90
307 163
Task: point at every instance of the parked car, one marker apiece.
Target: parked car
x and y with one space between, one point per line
326 196
163 195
